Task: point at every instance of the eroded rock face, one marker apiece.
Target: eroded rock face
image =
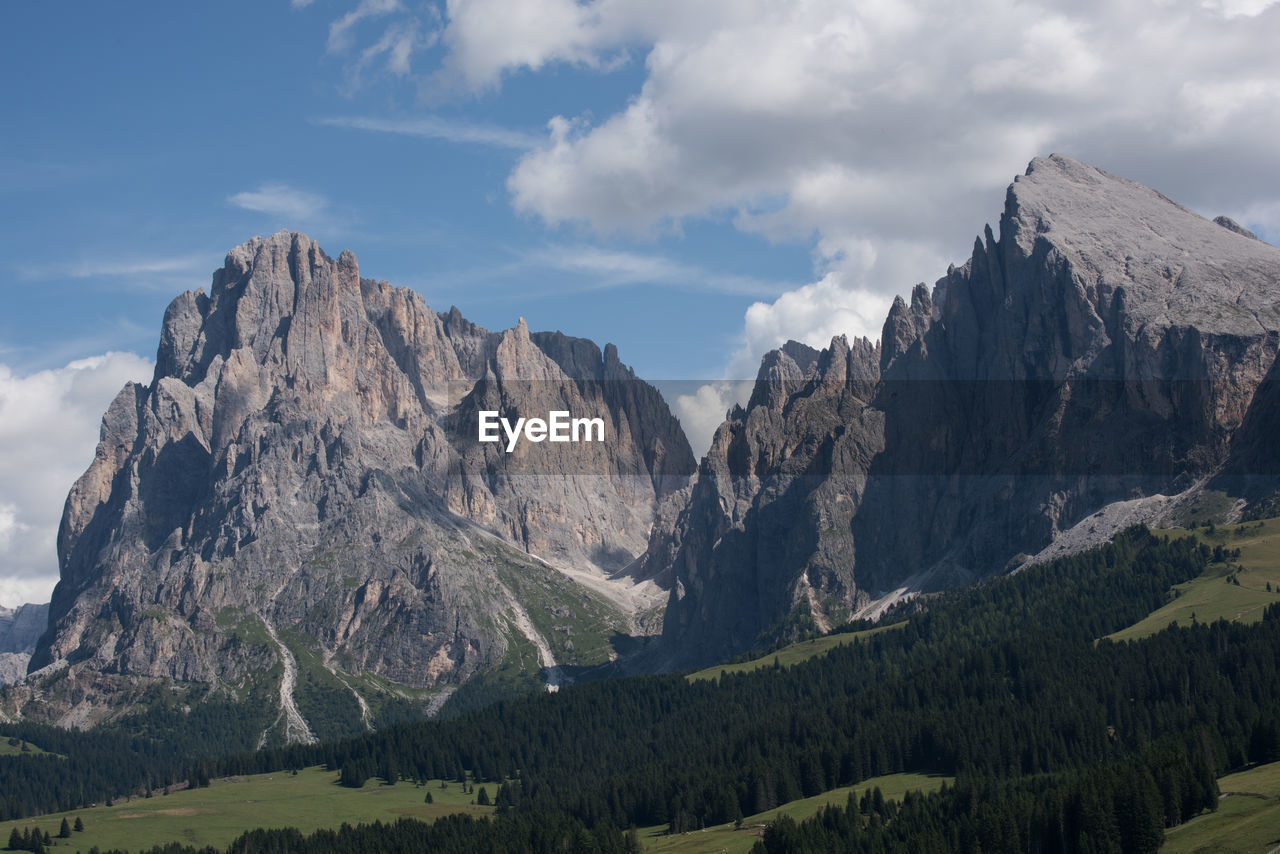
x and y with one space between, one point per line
300 458
20 628
767 526
1108 345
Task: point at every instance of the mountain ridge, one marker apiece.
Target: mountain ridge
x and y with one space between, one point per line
1106 346
292 485
302 479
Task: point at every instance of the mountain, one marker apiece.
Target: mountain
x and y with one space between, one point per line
20 628
1109 346
298 517
296 512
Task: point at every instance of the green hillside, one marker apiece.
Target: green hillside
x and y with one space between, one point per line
792 654
726 838
1216 594
1247 819
17 747
228 807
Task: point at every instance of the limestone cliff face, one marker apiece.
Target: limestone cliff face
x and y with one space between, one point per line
298 463
1110 344
767 526
20 628
582 504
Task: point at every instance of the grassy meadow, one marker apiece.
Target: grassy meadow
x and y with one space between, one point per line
1247 820
792 654
228 807
8 749
1213 596
724 838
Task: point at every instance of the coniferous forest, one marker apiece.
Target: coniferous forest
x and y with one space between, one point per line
1059 741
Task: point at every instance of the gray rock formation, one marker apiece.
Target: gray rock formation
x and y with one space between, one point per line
766 532
20 629
301 480
1109 345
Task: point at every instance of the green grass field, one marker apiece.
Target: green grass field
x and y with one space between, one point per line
723 837
217 815
7 749
1248 816
792 654
1211 596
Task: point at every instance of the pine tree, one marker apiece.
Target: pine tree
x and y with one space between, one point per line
482 797
15 840
64 832
79 825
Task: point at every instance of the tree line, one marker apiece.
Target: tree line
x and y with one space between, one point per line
1052 734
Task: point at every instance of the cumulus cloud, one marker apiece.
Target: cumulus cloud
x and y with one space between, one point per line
48 429
883 132
813 314
884 121
281 200
702 409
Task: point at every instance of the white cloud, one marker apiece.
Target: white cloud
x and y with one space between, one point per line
300 4
1238 8
703 410
397 44
813 314
607 268
48 431
136 266
341 37
1262 218
437 127
884 132
18 591
282 201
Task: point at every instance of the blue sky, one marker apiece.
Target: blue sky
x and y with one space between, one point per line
693 181
139 135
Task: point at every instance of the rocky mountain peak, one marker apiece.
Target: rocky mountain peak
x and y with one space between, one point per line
1231 225
1107 344
1173 266
305 459
906 325
781 375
